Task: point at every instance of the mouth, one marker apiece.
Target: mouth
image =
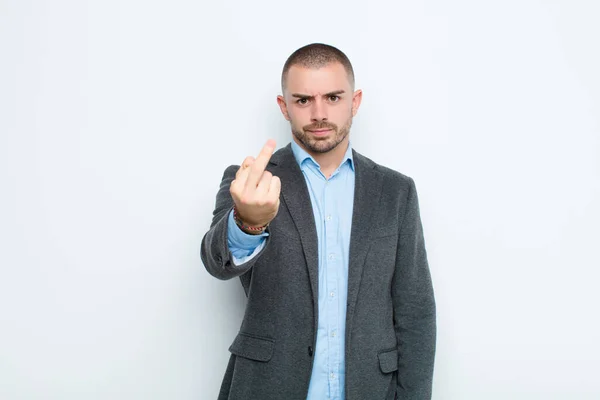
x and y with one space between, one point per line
320 132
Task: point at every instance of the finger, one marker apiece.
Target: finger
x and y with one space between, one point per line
248 161
244 169
235 188
263 185
274 188
261 162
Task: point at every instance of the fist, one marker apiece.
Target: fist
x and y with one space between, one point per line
255 191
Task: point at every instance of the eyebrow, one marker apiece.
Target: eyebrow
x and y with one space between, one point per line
305 96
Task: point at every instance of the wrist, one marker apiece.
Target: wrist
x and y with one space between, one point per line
249 229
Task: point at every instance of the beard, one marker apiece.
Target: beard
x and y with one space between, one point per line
322 144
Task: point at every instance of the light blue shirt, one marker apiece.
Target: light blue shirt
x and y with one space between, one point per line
242 245
332 203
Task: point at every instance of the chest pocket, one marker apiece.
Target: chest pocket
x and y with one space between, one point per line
384 231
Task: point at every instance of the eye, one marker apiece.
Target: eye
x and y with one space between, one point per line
334 98
303 101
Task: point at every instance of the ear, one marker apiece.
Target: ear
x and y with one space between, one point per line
356 99
283 107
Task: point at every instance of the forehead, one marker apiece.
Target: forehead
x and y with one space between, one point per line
321 80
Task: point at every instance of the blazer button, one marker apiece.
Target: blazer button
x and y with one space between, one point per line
310 351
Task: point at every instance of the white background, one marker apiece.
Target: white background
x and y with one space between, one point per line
117 119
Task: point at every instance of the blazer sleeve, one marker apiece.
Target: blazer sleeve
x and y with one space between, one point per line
214 250
414 306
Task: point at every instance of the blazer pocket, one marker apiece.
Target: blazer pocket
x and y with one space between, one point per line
384 231
388 360
252 347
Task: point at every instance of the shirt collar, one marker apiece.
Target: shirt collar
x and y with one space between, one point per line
302 157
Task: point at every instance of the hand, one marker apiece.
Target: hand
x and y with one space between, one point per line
255 191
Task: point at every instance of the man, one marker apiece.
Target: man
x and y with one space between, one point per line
329 248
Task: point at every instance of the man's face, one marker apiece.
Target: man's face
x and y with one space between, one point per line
320 104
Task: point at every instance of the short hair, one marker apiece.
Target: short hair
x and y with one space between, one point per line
317 55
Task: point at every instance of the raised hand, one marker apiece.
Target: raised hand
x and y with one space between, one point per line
255 191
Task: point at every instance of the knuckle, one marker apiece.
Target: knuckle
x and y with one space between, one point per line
248 161
261 202
271 203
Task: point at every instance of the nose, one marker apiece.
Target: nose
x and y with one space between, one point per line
318 111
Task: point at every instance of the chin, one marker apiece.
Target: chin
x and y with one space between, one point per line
323 146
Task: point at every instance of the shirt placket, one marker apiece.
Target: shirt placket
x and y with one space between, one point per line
332 267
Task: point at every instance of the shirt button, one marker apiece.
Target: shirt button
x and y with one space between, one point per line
333 334
331 294
332 376
332 256
328 218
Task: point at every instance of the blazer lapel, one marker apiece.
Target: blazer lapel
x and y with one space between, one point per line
294 193
367 190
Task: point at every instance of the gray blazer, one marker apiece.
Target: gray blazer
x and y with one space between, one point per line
390 321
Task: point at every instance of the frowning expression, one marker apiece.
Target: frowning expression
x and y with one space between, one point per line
320 104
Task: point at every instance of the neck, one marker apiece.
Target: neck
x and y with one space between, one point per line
330 160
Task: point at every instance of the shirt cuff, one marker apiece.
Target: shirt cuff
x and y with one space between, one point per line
242 244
